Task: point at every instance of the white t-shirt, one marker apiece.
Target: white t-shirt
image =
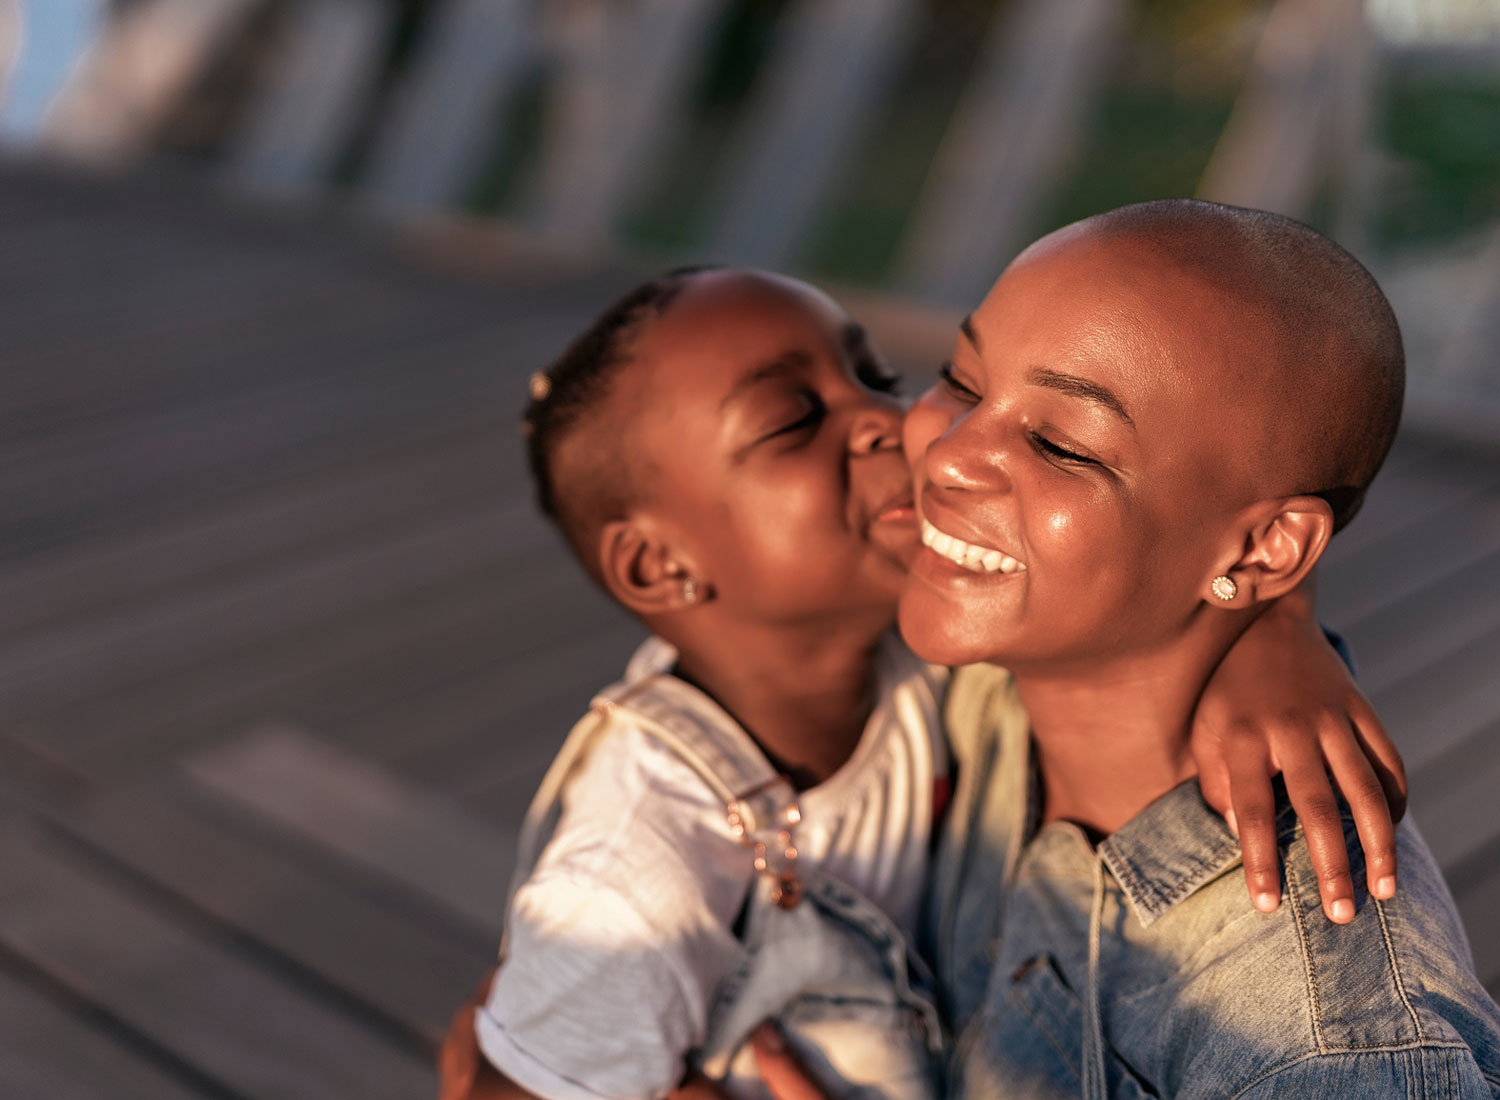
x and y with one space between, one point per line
619 939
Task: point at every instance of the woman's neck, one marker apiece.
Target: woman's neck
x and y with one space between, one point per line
1112 736
804 696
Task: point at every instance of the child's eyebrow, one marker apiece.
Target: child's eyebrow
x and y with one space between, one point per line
1074 386
854 338
782 365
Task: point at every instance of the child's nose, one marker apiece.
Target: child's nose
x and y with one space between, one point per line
876 429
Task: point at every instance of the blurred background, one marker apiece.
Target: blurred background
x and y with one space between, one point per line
283 649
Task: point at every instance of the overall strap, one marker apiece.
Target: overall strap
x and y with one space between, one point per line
671 712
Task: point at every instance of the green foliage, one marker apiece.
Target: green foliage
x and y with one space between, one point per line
1443 131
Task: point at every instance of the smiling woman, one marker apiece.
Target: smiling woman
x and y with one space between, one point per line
1138 412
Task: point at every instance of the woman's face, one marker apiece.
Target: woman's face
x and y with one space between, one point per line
1070 449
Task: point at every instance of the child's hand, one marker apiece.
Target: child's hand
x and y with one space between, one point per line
463 1073
779 1069
1314 722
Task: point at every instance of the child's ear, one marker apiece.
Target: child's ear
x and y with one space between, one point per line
1284 541
643 572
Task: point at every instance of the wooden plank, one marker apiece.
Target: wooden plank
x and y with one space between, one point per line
1476 906
127 83
833 62
1393 570
1433 710
305 675
84 487
319 675
1429 627
624 71
43 672
53 1049
1011 136
329 64
1460 819
474 712
471 60
406 966
352 501
1408 495
189 992
357 810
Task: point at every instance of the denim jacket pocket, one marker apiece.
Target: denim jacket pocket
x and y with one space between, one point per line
1032 1031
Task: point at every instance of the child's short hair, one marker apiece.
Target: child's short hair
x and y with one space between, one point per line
580 385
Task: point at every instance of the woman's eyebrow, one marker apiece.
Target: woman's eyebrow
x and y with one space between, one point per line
966 326
779 367
1074 386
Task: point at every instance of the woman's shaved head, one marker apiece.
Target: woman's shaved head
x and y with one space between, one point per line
1323 370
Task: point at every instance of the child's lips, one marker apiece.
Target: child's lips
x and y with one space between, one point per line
902 512
899 509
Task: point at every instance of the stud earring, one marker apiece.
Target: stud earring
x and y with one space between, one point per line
689 590
1225 588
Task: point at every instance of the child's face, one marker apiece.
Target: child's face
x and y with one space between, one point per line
1081 433
772 460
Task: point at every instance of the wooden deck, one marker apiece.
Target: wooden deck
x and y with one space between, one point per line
283 648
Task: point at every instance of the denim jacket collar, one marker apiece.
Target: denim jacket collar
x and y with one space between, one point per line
1173 848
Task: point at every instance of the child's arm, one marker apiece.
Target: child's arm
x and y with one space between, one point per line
463 1073
1316 721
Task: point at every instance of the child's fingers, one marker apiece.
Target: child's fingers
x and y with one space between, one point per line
1312 798
779 1068
1213 780
1365 793
1254 817
698 1087
1382 755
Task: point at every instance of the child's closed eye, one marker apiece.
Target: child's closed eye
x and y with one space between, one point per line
809 416
875 377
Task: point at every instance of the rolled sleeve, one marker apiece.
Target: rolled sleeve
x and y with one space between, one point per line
596 1000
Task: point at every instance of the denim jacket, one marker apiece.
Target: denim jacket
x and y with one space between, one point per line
1139 968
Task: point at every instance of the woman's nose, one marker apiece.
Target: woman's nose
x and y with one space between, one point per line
966 457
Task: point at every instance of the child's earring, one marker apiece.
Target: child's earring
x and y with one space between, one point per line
1225 588
689 591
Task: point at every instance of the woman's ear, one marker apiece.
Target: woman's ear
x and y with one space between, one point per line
1283 543
643 572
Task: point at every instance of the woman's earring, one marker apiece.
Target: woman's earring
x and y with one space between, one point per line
689 590
1225 588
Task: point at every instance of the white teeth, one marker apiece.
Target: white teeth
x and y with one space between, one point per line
979 559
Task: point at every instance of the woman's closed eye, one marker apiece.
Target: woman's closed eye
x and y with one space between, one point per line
1059 452
955 388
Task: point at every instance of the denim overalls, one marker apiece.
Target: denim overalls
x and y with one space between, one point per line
817 956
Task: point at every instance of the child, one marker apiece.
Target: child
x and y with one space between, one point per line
741 826
1164 413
